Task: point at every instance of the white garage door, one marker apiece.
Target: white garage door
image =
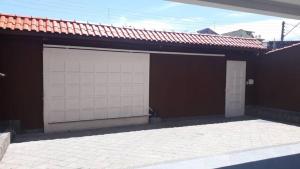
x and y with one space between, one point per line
81 84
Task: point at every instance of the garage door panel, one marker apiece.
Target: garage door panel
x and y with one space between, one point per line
138 89
138 77
57 66
72 110
114 67
127 77
72 78
191 85
72 66
100 90
115 112
57 91
91 85
126 101
127 89
138 68
138 100
114 89
127 111
86 90
114 77
87 109
100 102
101 78
72 90
101 67
114 101
57 108
57 78
137 110
100 113
86 78
127 67
86 67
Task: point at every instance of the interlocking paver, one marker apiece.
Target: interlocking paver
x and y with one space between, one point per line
135 148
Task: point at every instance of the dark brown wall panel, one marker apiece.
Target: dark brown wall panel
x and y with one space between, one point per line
279 79
22 88
187 85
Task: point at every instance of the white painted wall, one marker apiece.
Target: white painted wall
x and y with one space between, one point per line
83 85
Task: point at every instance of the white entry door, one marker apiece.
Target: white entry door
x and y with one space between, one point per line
235 88
85 85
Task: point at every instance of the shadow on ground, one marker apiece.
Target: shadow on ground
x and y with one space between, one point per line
285 162
166 123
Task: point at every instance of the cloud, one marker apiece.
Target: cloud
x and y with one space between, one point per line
238 14
192 19
169 5
185 24
152 24
269 29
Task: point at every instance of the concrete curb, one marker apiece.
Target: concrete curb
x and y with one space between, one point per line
240 159
4 143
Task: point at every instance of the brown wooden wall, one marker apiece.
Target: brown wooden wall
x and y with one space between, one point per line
278 83
193 77
21 90
187 85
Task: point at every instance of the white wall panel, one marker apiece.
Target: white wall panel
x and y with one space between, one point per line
91 85
235 88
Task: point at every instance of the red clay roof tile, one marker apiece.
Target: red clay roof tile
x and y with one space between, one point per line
77 29
102 31
72 27
147 36
19 23
83 29
41 25
56 27
90 30
63 27
27 24
96 30
120 32
113 32
136 34
108 31
34 25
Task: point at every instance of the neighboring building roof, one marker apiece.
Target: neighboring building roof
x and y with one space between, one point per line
283 48
53 26
280 44
240 33
207 31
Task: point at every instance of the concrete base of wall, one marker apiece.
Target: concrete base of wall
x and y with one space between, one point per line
273 114
4 143
94 124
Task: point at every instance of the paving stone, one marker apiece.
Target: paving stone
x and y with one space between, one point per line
135 148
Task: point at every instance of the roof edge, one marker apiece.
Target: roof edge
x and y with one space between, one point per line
283 48
126 27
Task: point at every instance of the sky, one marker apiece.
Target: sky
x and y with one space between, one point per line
154 15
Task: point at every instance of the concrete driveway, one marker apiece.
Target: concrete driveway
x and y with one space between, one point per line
132 147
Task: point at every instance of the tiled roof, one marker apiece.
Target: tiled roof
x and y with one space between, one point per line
34 24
